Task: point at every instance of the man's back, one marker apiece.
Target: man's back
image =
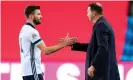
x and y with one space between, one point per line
114 73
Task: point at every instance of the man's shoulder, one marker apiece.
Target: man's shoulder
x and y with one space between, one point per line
104 26
28 28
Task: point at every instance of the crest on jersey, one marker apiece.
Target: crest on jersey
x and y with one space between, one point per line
34 36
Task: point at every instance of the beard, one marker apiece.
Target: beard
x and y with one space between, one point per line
36 22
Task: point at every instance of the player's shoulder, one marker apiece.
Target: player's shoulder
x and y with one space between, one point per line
28 28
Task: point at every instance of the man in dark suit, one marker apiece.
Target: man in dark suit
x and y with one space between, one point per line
101 63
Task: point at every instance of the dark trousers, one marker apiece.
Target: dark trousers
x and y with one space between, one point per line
31 77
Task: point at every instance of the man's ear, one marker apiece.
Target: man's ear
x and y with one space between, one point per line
94 13
30 16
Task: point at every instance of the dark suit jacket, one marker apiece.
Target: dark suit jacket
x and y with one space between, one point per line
100 52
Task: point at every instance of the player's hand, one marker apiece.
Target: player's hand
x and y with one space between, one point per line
91 70
67 41
74 39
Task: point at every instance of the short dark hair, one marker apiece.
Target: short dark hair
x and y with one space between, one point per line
96 7
30 10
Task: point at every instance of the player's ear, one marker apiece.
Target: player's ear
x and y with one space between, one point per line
31 16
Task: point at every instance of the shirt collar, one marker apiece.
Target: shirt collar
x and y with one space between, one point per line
27 23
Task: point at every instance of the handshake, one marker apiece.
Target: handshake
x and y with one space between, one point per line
67 41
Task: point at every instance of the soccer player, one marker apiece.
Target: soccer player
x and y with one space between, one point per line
31 45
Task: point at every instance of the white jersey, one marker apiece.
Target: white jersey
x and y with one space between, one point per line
30 53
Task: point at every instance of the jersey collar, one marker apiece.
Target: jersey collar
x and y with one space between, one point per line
27 23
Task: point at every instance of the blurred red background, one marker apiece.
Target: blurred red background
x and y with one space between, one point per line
59 18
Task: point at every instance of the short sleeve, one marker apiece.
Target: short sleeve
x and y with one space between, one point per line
35 37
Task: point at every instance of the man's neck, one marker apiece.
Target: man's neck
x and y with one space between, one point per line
29 21
96 18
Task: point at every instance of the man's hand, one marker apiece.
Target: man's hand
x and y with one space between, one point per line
67 41
91 70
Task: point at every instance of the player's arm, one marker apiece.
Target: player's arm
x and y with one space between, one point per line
51 49
64 42
35 39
